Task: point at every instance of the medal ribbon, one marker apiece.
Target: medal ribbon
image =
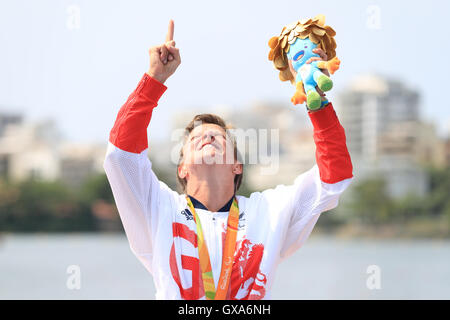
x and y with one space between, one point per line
227 258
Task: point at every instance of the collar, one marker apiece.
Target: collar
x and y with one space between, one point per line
198 205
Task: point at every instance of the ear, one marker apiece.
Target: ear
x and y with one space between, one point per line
182 171
237 168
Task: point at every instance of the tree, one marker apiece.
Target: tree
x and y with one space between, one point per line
371 202
42 206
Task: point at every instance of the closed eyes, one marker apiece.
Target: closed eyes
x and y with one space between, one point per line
199 136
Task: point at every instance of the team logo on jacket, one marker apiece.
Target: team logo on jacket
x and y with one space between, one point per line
247 280
187 214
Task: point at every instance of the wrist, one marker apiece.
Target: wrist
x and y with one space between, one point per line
157 77
324 118
151 88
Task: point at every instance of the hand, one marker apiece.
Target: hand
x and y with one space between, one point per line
165 58
323 57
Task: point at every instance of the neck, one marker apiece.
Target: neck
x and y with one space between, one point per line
211 190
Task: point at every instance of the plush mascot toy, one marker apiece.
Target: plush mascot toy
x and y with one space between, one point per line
295 46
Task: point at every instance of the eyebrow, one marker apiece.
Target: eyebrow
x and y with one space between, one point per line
209 129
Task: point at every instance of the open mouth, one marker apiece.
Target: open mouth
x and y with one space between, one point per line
205 144
299 55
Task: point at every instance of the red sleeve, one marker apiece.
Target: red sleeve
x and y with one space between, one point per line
332 156
130 129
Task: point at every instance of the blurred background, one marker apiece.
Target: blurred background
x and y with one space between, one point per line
66 68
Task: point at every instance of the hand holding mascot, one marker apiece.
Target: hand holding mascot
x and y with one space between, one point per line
294 49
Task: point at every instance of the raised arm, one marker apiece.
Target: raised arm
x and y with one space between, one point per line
137 191
317 190
130 129
332 156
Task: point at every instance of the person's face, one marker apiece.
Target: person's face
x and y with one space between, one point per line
208 144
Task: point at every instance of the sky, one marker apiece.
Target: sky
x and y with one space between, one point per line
77 61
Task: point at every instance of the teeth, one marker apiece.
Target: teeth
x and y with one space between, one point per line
208 144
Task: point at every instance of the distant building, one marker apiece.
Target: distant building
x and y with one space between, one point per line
385 134
446 152
7 119
402 175
80 161
29 151
36 150
371 106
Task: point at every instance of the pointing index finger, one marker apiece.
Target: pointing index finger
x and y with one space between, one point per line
169 36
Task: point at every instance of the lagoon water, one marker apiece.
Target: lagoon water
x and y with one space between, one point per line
35 267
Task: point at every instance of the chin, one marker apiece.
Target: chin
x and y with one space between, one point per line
211 158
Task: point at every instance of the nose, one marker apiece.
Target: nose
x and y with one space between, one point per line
208 137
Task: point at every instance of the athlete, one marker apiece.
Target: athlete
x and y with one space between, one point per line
209 242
